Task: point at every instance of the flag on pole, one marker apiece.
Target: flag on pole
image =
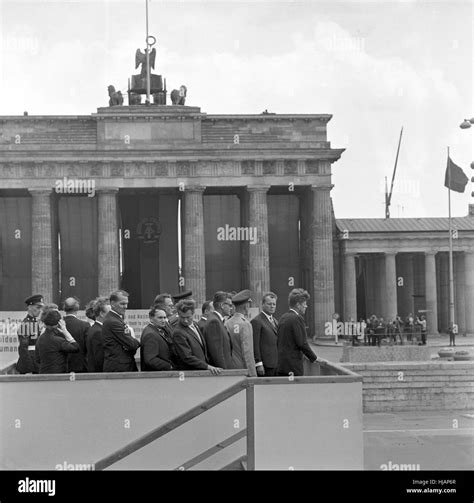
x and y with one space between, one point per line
455 179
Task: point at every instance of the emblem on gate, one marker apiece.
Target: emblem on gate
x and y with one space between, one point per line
149 230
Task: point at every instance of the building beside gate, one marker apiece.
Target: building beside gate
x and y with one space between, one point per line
162 198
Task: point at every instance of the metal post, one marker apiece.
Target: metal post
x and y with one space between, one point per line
451 275
250 399
147 51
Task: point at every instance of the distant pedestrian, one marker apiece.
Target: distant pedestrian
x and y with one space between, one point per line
28 333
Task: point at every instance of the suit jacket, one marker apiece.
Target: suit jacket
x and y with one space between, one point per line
265 341
202 323
52 351
292 344
95 348
28 333
219 344
190 352
240 330
78 329
156 349
119 346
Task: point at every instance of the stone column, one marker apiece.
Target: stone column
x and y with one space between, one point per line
41 245
391 308
323 273
406 301
469 291
459 292
259 261
430 293
350 288
108 263
194 265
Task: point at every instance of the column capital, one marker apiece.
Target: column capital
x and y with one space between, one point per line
194 188
40 191
111 190
430 252
258 188
390 253
322 188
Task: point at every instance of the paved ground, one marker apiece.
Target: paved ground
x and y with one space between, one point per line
424 440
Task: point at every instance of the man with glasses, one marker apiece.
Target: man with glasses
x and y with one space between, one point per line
292 338
219 344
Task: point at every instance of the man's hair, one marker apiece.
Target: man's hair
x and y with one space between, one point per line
90 310
219 298
160 298
98 305
71 305
206 305
296 296
114 296
269 294
154 309
186 305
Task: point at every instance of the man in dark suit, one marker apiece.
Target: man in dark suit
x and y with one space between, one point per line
219 344
206 310
189 343
95 339
292 343
156 348
164 302
119 345
77 362
265 338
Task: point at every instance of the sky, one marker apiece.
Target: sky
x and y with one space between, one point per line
375 66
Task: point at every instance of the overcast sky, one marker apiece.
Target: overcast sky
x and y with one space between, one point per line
374 66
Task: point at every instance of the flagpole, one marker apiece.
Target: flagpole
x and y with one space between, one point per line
147 51
451 279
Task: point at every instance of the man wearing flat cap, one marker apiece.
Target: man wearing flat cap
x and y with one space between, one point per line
28 333
241 334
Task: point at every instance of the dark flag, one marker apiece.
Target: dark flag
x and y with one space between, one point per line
455 179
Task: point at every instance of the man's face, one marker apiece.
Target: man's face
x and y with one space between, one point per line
120 305
169 306
159 319
269 305
227 307
186 319
35 310
301 307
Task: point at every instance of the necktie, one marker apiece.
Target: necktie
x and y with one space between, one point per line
193 328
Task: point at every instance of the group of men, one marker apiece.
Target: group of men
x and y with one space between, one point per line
224 337
395 329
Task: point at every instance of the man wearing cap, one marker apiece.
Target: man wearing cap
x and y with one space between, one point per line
265 338
219 343
173 319
78 329
240 331
28 333
55 344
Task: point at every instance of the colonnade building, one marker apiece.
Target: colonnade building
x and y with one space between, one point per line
166 198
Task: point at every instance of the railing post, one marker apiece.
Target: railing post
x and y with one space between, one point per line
250 399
